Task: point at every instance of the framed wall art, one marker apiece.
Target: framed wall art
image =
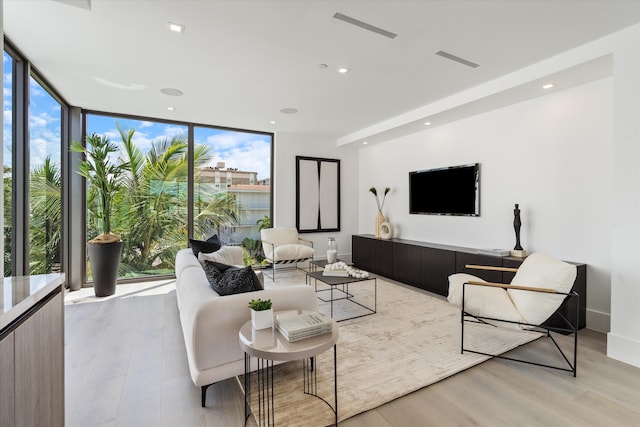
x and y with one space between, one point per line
317 194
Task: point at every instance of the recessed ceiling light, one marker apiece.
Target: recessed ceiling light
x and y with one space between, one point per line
289 111
548 86
178 28
272 122
364 143
427 123
343 70
171 108
171 91
322 66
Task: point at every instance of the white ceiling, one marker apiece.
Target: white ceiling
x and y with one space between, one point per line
240 62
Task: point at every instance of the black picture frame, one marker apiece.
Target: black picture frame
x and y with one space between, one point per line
317 194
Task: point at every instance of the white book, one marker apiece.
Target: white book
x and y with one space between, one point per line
335 273
305 334
291 325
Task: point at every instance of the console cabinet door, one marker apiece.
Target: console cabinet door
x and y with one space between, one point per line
39 367
382 257
360 252
373 255
406 264
463 258
437 266
7 381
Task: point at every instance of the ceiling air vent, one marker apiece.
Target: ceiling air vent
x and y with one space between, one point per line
457 59
364 25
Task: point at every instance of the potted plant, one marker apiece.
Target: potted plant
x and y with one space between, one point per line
261 313
104 175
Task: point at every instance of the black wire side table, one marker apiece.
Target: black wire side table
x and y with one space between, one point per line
269 346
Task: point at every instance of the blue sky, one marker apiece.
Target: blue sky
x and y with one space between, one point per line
243 150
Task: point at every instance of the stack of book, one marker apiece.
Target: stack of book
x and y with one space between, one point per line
296 327
335 273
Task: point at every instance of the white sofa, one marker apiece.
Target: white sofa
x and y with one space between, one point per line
210 322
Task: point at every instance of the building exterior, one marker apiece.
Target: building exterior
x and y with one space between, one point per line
252 199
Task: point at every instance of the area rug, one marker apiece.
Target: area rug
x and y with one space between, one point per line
412 341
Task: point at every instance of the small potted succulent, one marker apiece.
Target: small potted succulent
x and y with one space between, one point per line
261 313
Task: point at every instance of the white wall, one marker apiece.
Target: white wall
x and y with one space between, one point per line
623 342
290 145
552 155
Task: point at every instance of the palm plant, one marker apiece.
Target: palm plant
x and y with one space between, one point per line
46 218
219 209
104 177
153 208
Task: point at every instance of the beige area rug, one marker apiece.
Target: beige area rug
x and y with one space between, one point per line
412 341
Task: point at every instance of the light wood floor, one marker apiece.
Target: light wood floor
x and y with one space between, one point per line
126 366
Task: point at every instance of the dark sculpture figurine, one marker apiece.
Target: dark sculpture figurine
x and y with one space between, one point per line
516 226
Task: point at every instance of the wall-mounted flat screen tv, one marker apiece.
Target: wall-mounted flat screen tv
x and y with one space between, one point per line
453 190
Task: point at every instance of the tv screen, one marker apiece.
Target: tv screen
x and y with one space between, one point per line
453 190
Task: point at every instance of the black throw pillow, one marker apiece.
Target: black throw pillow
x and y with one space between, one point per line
229 280
212 244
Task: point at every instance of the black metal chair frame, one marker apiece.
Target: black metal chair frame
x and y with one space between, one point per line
286 261
569 366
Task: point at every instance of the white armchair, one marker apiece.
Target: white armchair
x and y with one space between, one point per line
285 246
536 292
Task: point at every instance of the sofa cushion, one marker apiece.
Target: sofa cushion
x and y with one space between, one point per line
229 280
481 300
230 255
290 252
212 244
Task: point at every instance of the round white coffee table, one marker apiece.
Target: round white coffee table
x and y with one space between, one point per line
269 346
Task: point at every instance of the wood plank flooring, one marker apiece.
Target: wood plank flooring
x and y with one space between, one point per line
126 366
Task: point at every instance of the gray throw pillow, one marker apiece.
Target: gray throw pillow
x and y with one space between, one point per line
229 280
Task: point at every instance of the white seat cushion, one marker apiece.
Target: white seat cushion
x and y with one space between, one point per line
541 270
481 300
291 252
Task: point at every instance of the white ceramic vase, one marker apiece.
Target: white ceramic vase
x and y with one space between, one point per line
379 220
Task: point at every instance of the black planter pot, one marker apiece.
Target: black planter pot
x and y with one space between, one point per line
105 261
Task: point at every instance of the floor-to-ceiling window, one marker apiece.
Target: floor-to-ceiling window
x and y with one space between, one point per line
45 181
232 194
231 189
7 123
150 212
32 163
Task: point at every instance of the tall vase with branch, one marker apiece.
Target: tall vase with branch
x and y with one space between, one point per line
380 216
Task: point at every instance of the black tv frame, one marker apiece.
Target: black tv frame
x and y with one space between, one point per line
441 173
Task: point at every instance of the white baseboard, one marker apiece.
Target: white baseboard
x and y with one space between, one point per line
598 321
624 349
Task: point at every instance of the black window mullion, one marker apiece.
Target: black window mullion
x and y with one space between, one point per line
20 169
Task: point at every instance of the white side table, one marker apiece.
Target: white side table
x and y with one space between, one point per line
269 346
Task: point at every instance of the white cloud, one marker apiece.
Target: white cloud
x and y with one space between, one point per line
37 121
173 131
145 124
7 116
252 157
